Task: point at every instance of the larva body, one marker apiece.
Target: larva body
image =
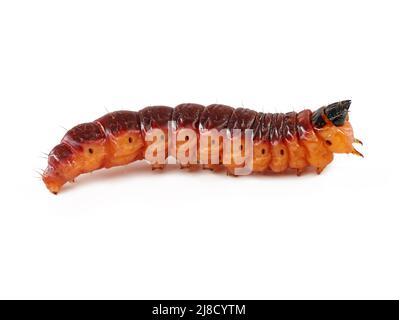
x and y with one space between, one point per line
279 141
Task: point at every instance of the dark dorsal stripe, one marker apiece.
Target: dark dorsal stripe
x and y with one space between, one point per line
256 126
84 133
120 122
60 153
187 115
317 118
266 126
155 117
215 116
276 127
304 124
242 119
289 131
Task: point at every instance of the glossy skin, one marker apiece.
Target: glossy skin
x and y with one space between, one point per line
281 141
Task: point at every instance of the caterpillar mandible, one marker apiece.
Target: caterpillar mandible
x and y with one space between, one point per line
278 141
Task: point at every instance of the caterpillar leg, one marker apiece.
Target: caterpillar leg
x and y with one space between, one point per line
189 166
231 173
320 169
357 141
206 167
157 167
357 153
213 167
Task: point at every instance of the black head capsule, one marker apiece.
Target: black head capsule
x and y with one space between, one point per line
337 112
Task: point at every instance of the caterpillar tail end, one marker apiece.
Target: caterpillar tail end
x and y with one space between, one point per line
52 181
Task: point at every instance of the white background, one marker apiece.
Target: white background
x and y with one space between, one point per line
132 233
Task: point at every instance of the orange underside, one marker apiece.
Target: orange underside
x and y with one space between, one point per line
310 150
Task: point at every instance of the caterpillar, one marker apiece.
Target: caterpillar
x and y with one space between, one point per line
276 141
